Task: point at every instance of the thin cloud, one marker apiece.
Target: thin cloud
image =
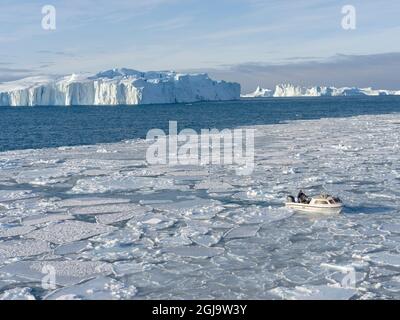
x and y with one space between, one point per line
57 53
238 32
10 74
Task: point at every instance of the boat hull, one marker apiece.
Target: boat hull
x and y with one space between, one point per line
320 209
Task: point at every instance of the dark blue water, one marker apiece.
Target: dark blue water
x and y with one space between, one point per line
39 127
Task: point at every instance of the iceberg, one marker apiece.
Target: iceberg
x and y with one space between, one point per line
116 87
259 93
290 90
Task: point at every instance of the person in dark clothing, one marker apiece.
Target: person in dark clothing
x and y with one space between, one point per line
301 197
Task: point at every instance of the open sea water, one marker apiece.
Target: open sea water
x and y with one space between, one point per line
54 126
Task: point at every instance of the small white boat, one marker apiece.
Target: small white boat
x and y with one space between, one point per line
322 204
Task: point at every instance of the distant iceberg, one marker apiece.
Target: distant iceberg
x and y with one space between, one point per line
116 87
289 90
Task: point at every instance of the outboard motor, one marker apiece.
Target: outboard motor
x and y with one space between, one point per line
290 199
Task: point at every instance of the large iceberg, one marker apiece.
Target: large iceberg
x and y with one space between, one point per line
116 87
289 90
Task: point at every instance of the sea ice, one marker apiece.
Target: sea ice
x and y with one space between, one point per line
316 293
73 247
127 208
46 176
214 186
114 217
242 232
206 240
186 232
69 231
67 273
22 248
15 231
120 182
197 207
121 237
17 294
10 195
45 218
384 258
390 227
101 288
89 201
196 251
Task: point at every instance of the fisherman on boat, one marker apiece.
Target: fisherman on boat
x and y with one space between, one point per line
322 203
302 198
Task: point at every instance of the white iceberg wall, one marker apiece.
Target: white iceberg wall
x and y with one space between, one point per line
259 93
289 90
116 87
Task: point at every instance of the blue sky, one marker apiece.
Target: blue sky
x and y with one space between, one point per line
250 41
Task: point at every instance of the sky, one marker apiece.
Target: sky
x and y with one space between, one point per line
253 42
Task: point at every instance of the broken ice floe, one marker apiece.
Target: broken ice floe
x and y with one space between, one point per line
90 201
242 232
207 240
69 231
44 176
196 208
15 231
22 248
101 288
45 218
214 186
114 217
196 251
73 247
384 258
17 294
127 208
191 231
119 237
65 273
315 293
120 182
12 195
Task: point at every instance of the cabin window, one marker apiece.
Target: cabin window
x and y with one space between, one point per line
331 202
321 202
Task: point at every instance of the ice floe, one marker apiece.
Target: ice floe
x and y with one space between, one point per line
196 251
15 231
69 231
17 294
126 208
384 258
242 232
45 218
66 272
23 248
101 288
191 231
315 293
119 182
89 201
